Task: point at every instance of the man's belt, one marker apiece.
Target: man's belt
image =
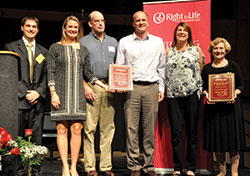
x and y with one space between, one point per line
144 83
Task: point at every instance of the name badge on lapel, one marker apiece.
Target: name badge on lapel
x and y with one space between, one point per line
111 49
40 58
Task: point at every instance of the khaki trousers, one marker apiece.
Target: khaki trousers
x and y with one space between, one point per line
141 106
99 111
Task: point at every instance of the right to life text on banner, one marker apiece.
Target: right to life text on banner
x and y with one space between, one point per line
163 18
165 15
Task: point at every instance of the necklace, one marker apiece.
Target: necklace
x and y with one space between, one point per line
219 64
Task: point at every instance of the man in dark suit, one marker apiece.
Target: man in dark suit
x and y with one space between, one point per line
33 83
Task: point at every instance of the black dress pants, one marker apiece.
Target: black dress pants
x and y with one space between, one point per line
189 108
31 119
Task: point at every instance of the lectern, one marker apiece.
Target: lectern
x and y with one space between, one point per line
9 77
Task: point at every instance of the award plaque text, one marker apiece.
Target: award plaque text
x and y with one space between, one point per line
120 77
221 87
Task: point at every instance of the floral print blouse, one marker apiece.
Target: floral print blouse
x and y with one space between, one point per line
183 72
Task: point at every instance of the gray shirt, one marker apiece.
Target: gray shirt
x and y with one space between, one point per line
101 54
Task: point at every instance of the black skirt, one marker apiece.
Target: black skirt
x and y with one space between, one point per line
223 127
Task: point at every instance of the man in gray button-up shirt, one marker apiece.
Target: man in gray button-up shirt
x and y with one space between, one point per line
102 52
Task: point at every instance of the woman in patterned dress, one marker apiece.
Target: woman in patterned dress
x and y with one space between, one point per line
68 65
184 87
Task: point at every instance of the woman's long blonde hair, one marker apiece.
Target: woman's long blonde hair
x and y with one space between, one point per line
64 37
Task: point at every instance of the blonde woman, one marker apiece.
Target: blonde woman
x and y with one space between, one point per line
223 122
68 65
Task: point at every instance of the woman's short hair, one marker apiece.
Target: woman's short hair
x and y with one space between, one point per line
29 18
218 40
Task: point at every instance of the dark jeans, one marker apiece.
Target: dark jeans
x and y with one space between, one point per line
189 106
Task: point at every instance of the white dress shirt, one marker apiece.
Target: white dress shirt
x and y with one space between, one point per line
33 47
147 57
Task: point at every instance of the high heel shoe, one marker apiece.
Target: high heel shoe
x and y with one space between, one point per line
69 174
221 174
176 173
190 173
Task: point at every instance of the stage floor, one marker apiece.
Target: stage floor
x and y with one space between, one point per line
52 167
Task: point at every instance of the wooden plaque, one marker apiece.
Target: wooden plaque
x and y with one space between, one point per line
120 77
221 87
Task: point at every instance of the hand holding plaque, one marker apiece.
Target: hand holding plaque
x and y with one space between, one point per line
221 87
120 77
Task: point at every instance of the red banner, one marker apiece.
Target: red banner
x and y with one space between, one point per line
163 19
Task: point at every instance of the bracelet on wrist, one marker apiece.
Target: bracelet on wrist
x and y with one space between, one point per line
53 92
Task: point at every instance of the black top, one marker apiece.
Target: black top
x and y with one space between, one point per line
223 124
232 67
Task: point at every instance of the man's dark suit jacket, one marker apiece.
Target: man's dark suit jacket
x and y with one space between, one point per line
39 84
39 76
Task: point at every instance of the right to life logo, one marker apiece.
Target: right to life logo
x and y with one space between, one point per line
191 16
159 17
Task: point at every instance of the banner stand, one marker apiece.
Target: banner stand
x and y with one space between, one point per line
163 18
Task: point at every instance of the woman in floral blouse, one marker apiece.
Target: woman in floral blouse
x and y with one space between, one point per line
184 87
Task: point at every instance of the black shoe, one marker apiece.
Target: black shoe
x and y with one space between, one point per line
152 173
135 173
107 173
92 173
